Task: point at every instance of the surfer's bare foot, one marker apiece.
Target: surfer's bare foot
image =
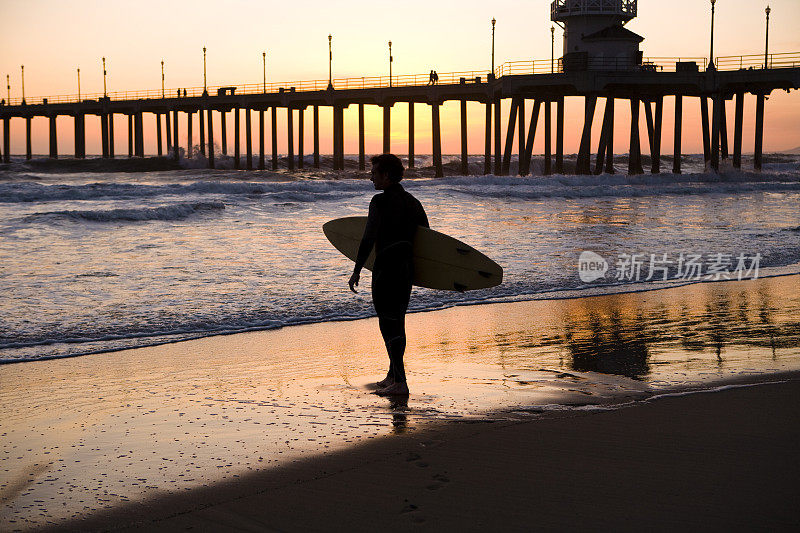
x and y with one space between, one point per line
395 389
385 382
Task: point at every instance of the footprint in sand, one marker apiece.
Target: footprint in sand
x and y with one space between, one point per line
440 481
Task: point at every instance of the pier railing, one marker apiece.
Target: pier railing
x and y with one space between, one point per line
510 68
756 61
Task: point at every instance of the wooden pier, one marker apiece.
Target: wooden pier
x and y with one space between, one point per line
535 85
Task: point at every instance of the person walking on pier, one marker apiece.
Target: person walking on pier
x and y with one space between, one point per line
394 216
430 77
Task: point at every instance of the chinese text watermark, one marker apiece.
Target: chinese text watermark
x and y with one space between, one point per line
663 267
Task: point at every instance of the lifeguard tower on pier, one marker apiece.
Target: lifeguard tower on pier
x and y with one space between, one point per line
595 37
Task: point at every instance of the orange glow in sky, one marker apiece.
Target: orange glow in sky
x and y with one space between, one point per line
53 38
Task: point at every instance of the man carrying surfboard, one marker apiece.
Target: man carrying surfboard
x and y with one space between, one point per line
394 216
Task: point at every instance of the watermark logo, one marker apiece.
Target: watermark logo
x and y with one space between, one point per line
591 267
662 267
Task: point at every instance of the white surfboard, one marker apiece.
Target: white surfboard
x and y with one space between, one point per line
440 261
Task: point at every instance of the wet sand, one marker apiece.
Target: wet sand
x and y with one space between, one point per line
512 397
709 461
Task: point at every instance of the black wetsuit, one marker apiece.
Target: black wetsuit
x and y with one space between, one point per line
394 216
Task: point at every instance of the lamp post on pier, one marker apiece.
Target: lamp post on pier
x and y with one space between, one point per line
105 92
552 49
8 88
330 62
162 78
205 84
22 69
711 65
491 74
264 60
390 63
79 85
766 47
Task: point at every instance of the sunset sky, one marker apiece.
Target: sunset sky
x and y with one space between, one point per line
52 38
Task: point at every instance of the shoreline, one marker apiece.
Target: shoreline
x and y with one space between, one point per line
565 294
724 460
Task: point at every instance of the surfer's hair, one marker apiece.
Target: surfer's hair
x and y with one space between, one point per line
389 164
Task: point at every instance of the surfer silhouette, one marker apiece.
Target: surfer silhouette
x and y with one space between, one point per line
394 216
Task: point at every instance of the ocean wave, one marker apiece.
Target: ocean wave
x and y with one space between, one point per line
307 190
164 212
312 190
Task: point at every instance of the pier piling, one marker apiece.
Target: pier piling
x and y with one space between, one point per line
583 165
655 149
635 150
80 136
531 137
487 151
316 137
737 130
548 126
715 126
560 135
223 125
387 110
300 134
175 146
202 127
759 140
411 135
159 148
210 138
512 118
53 138
248 134
338 114
723 129
6 140
274 137
437 140
290 137
261 133
111 134
188 135
28 151
104 134
362 164
130 136
498 118
168 132
464 154
236 128
706 133
521 135
676 158
139 126
603 142
610 137
261 139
